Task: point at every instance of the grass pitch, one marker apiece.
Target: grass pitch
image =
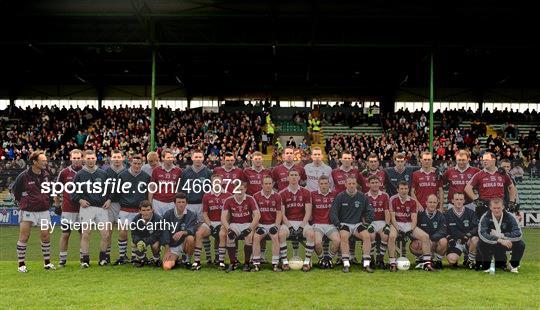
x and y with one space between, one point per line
122 287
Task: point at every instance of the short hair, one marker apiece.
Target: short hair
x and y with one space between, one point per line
433 196
505 161
89 152
464 153
145 204
373 177
373 155
229 154
197 151
490 155
459 193
34 156
288 147
351 177
166 151
403 183
215 175
426 153
317 148
75 151
496 201
180 196
152 154
293 171
256 154
116 151
324 177
268 177
399 156
136 156
346 153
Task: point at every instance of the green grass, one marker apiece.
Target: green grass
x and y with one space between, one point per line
127 287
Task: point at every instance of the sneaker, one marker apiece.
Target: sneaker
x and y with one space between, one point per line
380 265
139 264
472 265
187 265
263 260
62 264
232 267
321 263
22 269
246 268
428 267
49 266
103 262
196 266
121 260
256 268
438 265
393 267
285 267
346 269
514 269
275 268
222 266
368 269
85 265
466 262
306 267
339 261
158 263
329 262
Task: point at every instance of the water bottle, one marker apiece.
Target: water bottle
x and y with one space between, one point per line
492 267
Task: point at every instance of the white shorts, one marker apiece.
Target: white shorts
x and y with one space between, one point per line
352 227
94 215
213 223
113 212
239 228
126 217
325 229
197 209
178 250
68 219
37 218
161 207
404 227
378 225
296 225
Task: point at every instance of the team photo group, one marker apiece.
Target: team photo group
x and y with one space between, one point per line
168 217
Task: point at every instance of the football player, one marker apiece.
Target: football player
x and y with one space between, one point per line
380 201
426 182
462 237
146 234
404 219
458 176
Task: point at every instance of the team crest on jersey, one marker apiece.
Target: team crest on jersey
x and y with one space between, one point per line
466 223
407 178
503 226
182 227
435 224
98 179
357 204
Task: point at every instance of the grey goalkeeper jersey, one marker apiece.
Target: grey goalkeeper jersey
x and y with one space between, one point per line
313 174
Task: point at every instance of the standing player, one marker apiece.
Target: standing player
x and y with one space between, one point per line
165 178
34 208
115 168
271 214
179 233
254 175
490 184
152 162
462 226
404 219
280 173
380 201
212 207
94 205
136 181
426 182
322 200
191 182
339 177
231 176
316 169
146 234
240 217
373 170
398 173
347 212
70 209
458 176
433 223
297 209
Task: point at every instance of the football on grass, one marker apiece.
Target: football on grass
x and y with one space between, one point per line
296 263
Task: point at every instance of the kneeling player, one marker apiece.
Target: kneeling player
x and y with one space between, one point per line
296 202
240 217
179 237
146 235
462 226
212 206
404 219
380 202
347 212
270 208
433 222
322 200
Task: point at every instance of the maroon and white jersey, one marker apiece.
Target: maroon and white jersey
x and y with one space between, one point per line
425 184
165 181
213 204
27 190
490 185
380 204
456 180
241 212
268 206
254 179
321 205
294 203
68 175
339 176
280 174
403 208
232 175
379 173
